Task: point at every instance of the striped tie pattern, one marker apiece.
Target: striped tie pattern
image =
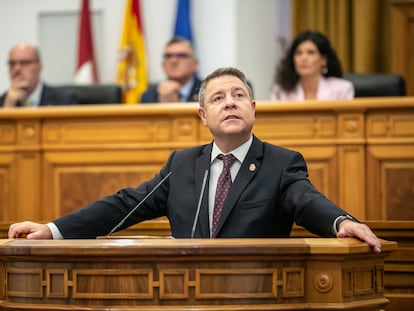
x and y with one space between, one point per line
223 186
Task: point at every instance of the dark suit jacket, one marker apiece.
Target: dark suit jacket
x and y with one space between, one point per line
151 94
50 96
270 192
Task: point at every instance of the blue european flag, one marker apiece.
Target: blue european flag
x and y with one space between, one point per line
182 22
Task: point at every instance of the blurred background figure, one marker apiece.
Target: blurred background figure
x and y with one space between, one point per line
310 70
26 87
180 67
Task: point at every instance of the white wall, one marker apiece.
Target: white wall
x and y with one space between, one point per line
241 33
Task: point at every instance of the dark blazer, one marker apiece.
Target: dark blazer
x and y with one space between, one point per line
50 97
151 94
270 192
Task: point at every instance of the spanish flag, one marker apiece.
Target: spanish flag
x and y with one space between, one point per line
132 66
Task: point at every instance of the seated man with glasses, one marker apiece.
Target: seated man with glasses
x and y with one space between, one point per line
180 67
26 87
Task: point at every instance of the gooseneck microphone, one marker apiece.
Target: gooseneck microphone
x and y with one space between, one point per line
200 199
139 204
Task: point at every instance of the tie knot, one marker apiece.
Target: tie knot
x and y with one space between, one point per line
227 159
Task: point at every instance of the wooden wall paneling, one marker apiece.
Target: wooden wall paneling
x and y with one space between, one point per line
8 193
399 266
351 158
374 208
352 180
402 41
87 145
74 179
390 137
27 186
28 178
397 186
391 174
311 134
91 159
302 127
322 163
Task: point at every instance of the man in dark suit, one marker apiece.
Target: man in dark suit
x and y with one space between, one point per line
26 87
268 190
180 67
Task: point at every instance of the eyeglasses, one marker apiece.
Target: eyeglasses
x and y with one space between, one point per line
23 63
177 55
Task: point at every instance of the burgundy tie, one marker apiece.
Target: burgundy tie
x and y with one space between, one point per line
223 185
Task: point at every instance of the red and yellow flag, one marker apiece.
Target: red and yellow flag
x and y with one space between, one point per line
132 66
86 71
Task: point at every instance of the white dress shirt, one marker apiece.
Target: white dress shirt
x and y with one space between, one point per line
217 166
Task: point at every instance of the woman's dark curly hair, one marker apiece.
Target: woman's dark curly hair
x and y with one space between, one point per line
286 75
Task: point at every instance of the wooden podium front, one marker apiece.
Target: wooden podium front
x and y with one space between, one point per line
209 274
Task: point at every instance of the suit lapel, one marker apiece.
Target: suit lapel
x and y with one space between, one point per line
248 169
202 164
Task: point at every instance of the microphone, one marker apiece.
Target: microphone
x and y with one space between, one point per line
200 199
139 204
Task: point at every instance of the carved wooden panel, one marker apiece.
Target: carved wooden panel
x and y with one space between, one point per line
105 131
398 188
282 127
382 127
54 150
75 179
390 165
28 132
7 193
28 181
182 274
112 284
76 187
278 283
8 133
402 41
140 285
391 175
351 125
322 163
352 180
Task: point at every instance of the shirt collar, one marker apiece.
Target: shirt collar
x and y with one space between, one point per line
239 153
36 95
185 90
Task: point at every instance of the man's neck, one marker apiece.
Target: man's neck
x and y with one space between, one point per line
228 144
183 81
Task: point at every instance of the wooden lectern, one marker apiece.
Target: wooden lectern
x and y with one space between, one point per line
201 274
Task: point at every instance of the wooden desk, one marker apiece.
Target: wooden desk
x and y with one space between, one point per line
209 274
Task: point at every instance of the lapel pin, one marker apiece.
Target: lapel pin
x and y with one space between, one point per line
252 167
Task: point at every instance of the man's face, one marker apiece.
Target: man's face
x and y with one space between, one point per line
24 68
179 63
228 110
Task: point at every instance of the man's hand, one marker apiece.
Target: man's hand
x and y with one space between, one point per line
30 230
168 91
17 92
351 229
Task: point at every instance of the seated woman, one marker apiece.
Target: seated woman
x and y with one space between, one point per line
311 70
